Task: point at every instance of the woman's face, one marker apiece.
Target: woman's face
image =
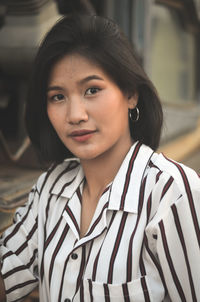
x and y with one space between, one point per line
87 109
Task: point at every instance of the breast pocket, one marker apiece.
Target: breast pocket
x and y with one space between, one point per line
134 291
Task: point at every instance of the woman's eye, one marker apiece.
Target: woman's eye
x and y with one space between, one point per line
92 90
57 98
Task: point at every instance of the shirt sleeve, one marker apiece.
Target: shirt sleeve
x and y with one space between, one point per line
18 251
177 247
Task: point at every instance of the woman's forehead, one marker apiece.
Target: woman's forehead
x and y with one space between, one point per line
76 66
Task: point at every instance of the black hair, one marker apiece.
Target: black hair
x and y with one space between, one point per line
101 41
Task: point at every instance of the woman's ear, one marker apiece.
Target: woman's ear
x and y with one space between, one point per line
133 100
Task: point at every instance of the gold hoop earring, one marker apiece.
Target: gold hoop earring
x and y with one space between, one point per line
134 114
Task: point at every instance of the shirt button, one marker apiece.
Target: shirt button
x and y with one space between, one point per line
67 300
74 257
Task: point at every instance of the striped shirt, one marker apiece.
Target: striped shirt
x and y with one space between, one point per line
143 243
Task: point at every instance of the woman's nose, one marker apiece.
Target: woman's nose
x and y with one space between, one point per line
76 111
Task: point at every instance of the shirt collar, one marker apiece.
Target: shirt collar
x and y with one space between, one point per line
70 180
125 188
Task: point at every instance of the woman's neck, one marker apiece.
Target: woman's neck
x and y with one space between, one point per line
101 171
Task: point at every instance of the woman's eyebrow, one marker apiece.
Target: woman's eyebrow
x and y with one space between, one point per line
82 81
50 88
90 78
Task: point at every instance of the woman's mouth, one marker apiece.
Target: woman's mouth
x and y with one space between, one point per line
82 135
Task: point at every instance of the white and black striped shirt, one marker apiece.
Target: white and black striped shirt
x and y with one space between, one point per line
143 243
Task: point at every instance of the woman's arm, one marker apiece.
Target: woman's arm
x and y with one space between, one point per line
178 248
18 252
2 290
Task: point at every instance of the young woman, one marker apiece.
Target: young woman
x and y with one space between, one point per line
111 220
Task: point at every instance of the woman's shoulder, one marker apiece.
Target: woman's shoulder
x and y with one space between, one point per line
171 178
185 177
174 188
66 169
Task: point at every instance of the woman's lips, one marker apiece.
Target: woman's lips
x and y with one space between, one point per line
82 135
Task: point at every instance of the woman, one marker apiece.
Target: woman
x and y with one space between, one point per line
111 220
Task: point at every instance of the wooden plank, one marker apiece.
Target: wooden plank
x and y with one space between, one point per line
182 147
172 3
15 185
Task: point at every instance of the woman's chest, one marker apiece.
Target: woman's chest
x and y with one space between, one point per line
111 260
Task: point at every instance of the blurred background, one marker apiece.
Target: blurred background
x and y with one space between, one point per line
166 35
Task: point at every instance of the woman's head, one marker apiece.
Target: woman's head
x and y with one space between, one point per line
100 41
88 110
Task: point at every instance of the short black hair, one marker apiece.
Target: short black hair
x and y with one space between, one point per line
100 40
